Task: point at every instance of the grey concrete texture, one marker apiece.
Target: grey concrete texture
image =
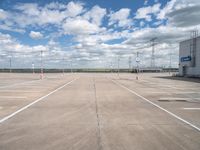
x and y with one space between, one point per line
95 113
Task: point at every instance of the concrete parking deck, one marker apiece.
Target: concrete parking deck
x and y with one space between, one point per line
99 112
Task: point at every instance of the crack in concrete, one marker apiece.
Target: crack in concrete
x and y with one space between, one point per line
97 116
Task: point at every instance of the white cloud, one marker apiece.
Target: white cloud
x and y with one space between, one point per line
182 13
146 12
175 5
168 7
35 35
30 9
10 28
121 17
74 9
8 43
3 14
80 26
183 17
96 14
31 14
145 2
56 5
142 23
164 34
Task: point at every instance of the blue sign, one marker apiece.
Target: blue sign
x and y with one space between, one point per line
188 58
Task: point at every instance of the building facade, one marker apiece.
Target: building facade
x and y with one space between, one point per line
189 57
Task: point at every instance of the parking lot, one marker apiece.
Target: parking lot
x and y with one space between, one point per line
99 111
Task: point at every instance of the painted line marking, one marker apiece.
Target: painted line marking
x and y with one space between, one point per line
175 98
11 97
154 104
18 91
12 85
191 108
164 85
34 102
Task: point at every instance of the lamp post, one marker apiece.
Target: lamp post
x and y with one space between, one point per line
33 68
41 69
118 60
137 61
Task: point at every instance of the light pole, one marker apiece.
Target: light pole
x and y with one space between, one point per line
170 62
41 69
153 52
137 61
63 66
10 62
33 68
118 65
71 66
129 61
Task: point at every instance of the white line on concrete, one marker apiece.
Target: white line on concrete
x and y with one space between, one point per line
164 85
191 108
172 114
40 99
175 98
21 83
13 97
19 91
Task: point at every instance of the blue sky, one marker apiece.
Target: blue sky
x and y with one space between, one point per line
97 31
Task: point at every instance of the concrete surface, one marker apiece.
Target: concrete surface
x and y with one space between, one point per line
98 112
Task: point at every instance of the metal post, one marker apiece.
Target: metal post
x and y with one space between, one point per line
129 63
170 62
71 67
33 68
63 67
153 53
118 65
10 61
137 61
41 69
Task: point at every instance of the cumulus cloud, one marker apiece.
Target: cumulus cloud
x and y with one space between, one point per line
31 14
96 14
74 9
8 43
35 35
147 12
121 18
79 26
167 8
184 17
3 14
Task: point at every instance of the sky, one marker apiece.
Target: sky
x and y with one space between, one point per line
94 33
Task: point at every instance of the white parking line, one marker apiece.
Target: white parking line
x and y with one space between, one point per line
13 97
34 102
164 85
191 108
170 113
175 98
19 91
21 83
